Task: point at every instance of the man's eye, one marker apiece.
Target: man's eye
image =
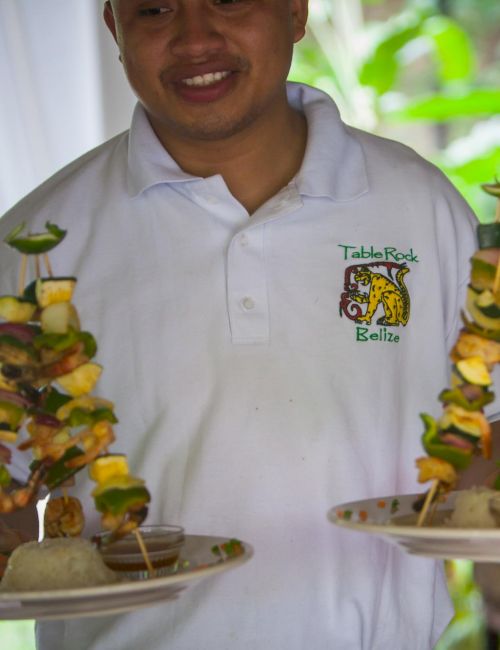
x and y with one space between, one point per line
153 11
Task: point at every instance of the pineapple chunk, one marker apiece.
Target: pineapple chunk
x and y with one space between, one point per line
53 290
431 469
81 380
103 468
59 318
117 483
16 311
8 436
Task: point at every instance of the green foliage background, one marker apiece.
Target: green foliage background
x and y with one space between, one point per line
425 72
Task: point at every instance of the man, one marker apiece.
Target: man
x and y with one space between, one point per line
274 294
207 93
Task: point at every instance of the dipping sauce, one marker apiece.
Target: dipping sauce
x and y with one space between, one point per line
163 545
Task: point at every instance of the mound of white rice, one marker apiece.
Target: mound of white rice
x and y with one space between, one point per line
62 563
478 507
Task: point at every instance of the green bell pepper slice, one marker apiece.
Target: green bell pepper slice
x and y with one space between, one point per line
119 501
80 417
5 477
456 396
459 458
61 342
37 243
54 400
59 472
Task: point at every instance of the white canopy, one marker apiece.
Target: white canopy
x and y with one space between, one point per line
62 89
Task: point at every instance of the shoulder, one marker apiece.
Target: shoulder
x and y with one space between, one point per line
385 167
386 156
397 168
73 185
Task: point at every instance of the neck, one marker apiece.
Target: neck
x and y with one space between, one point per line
255 163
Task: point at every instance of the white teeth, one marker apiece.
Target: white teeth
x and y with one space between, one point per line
206 79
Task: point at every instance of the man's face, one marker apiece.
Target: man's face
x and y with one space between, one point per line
206 69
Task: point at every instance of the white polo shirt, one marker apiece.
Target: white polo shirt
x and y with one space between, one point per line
265 369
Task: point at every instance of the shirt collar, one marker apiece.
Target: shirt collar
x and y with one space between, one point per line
333 164
149 163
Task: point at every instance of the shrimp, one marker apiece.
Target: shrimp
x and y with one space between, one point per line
123 524
95 440
5 454
64 517
472 345
20 498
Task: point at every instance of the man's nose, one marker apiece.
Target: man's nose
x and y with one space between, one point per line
197 34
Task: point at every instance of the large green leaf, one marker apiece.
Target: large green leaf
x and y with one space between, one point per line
480 169
451 46
445 106
380 69
448 42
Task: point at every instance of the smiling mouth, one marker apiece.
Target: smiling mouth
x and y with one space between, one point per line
204 80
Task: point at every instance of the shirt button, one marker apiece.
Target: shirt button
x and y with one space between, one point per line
212 199
243 240
247 303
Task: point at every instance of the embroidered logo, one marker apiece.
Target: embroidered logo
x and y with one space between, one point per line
376 293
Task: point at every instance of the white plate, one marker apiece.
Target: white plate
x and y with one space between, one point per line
393 519
125 596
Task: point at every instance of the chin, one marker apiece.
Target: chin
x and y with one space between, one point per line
210 128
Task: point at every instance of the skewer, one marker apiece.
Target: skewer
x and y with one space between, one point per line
428 500
496 283
144 552
47 264
433 511
22 275
41 264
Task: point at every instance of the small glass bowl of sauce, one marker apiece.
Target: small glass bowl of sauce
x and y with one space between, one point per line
163 544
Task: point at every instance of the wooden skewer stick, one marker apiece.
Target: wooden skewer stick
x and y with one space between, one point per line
22 274
428 500
433 510
37 266
144 552
496 283
47 264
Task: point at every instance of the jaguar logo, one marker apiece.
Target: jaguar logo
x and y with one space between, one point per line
376 289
